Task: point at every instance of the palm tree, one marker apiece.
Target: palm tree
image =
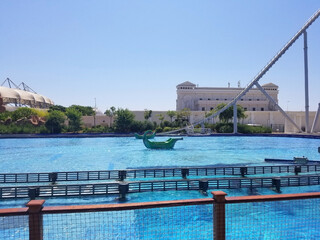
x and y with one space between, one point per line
161 118
110 113
147 114
171 114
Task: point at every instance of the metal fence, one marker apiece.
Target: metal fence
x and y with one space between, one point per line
52 177
283 216
123 188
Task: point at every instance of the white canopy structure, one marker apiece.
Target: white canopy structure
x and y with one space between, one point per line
20 97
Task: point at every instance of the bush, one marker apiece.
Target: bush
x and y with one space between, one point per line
5 115
124 121
159 129
55 121
74 117
23 112
168 129
136 126
242 128
26 128
40 113
97 129
225 128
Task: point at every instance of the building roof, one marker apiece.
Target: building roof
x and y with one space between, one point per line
187 83
269 85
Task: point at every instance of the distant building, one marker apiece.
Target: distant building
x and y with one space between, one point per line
207 98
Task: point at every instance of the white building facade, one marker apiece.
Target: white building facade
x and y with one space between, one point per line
207 98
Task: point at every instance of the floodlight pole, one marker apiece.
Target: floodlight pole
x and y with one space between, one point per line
306 87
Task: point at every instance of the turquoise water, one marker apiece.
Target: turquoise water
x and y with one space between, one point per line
78 154
81 154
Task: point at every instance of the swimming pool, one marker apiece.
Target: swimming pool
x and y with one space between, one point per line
84 154
78 154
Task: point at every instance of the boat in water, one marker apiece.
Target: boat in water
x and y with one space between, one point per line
149 135
168 144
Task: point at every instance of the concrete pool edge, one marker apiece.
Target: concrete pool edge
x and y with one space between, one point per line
95 135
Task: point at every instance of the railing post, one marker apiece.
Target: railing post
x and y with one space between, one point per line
184 172
219 215
276 183
123 190
243 171
35 219
33 193
122 175
203 186
53 177
297 170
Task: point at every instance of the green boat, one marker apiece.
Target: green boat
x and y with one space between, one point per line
149 135
169 144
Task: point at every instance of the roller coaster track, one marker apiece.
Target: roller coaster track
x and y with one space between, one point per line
260 75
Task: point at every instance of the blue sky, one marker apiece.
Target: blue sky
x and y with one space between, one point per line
132 53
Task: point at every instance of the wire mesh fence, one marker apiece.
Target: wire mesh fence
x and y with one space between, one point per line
284 216
184 222
294 219
14 227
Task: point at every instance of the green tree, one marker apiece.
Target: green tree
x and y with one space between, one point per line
183 116
57 108
160 117
186 113
123 121
84 110
147 114
171 114
227 114
55 121
23 112
111 113
74 117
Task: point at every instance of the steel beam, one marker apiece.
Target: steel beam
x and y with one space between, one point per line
306 84
268 66
277 106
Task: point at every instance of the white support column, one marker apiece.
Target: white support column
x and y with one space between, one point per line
235 118
315 119
306 87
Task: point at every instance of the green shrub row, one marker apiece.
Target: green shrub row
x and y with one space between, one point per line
242 128
26 128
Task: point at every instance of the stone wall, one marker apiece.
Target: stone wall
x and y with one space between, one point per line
272 119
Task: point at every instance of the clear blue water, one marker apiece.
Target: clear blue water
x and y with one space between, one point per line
81 154
78 154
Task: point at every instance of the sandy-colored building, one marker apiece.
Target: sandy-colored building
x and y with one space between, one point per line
197 98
